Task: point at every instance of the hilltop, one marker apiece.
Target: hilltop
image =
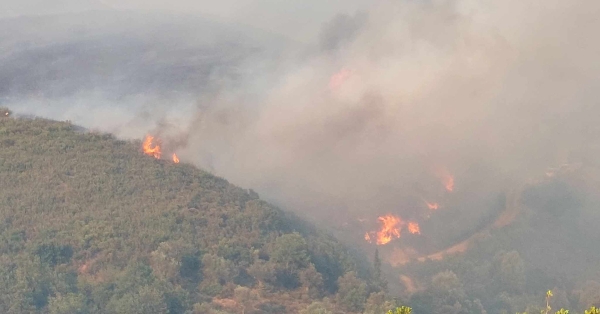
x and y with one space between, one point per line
89 224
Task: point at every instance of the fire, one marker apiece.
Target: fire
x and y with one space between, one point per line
390 228
414 228
150 148
432 206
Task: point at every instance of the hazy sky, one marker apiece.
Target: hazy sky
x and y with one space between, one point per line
295 18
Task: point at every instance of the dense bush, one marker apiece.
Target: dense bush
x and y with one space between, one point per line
89 224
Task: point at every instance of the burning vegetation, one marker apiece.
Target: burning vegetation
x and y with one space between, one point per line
151 147
391 227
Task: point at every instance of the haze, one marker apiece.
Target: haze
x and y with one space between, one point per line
333 109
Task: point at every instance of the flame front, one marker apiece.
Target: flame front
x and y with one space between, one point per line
175 159
390 228
432 206
414 228
150 148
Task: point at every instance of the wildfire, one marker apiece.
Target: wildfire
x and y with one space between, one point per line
432 206
414 228
150 148
390 228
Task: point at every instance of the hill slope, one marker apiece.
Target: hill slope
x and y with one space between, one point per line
547 238
88 224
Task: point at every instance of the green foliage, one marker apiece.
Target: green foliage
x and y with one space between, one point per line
316 308
147 300
89 224
377 303
510 271
53 254
68 304
352 293
378 281
290 250
592 310
401 310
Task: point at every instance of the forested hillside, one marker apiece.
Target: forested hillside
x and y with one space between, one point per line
552 244
89 224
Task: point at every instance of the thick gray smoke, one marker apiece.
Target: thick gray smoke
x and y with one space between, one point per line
386 101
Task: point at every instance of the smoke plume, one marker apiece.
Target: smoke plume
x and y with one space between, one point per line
362 118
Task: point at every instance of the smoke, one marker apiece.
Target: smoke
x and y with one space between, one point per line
490 92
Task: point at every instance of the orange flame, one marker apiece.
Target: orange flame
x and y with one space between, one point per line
150 148
175 159
390 228
414 228
432 206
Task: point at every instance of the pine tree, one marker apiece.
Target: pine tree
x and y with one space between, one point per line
380 283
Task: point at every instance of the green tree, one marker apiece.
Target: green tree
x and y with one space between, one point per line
291 251
352 292
312 281
147 300
590 294
378 281
316 308
510 271
264 272
377 303
68 304
218 269
244 297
